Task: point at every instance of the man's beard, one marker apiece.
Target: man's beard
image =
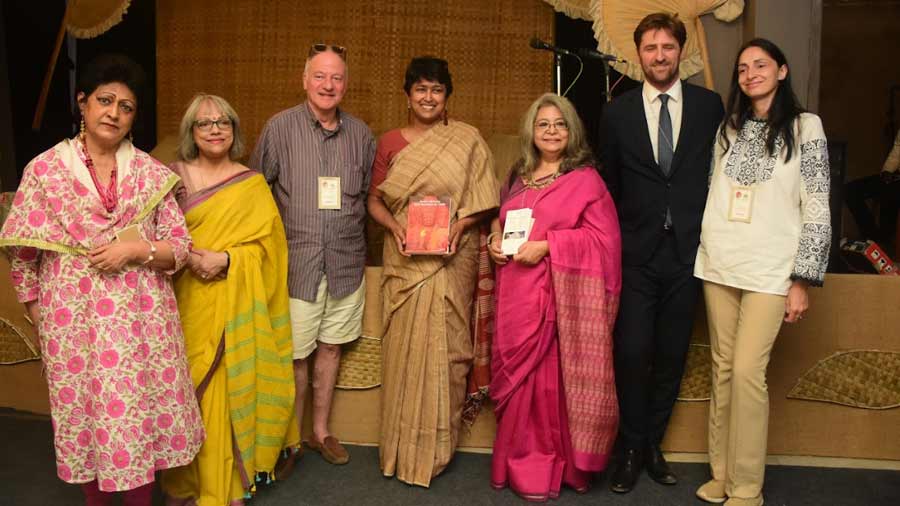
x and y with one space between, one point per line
669 79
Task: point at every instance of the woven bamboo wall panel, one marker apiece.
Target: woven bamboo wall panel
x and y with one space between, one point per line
252 53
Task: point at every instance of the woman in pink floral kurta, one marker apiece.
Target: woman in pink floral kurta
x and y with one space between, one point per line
121 396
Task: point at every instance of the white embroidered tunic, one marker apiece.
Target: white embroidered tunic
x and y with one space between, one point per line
789 233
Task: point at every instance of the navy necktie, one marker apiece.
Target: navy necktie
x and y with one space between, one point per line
664 145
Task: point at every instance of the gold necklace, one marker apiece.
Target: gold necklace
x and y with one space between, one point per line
541 183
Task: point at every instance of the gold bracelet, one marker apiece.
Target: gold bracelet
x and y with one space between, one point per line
152 254
490 237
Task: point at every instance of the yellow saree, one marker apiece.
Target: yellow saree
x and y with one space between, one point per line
238 341
427 349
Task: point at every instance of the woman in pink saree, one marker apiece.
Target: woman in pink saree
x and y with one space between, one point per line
557 297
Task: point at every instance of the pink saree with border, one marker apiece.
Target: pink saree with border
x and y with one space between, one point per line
552 371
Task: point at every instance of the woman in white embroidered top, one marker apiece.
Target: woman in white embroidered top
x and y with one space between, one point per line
765 239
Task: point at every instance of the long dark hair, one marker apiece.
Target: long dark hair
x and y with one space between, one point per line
784 110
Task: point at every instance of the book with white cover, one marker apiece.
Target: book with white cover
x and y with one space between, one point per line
516 230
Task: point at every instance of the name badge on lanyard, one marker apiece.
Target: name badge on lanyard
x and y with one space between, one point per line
329 192
740 207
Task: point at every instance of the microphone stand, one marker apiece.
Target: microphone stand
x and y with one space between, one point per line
606 79
557 58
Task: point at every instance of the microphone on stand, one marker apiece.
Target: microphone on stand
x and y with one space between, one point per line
597 55
558 52
537 43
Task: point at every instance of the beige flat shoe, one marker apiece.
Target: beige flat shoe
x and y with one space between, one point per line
740 501
712 491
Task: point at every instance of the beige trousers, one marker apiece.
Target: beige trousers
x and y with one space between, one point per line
743 326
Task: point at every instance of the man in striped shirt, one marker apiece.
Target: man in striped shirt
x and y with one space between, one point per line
317 159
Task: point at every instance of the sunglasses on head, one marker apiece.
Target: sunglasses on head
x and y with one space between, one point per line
321 48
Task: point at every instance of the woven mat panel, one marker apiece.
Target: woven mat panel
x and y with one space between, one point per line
868 379
252 53
696 381
360 364
15 346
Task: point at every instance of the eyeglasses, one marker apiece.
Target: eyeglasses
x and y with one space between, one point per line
205 125
545 125
321 48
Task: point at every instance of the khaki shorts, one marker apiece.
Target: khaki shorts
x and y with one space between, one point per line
329 320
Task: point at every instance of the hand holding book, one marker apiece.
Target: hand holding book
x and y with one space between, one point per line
399 234
428 225
532 252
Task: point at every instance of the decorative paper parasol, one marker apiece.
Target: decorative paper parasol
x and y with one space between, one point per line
615 20
576 9
84 19
89 18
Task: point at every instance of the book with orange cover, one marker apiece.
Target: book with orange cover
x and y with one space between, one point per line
428 225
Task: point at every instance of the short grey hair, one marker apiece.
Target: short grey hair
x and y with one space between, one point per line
310 57
187 148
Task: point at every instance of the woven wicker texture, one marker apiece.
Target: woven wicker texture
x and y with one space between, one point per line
695 384
14 345
360 364
361 360
859 378
252 53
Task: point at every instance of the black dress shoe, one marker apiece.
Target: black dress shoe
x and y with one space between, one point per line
657 467
628 467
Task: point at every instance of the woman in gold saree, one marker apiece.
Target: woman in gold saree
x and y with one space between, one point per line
233 303
428 349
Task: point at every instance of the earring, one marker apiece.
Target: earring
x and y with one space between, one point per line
444 114
81 130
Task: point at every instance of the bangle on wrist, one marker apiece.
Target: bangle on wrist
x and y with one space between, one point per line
152 255
227 261
491 236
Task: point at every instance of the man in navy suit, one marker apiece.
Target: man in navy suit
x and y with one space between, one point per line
656 158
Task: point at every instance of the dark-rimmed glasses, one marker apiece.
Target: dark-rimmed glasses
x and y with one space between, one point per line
321 48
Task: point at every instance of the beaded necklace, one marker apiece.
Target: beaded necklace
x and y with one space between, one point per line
108 196
537 184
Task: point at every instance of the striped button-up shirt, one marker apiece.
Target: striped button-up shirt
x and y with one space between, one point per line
292 152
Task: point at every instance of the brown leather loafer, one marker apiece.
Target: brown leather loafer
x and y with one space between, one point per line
286 460
331 450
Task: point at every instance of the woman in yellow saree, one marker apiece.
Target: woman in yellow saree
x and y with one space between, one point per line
428 348
233 303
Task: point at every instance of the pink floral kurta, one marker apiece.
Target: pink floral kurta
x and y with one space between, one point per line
121 396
